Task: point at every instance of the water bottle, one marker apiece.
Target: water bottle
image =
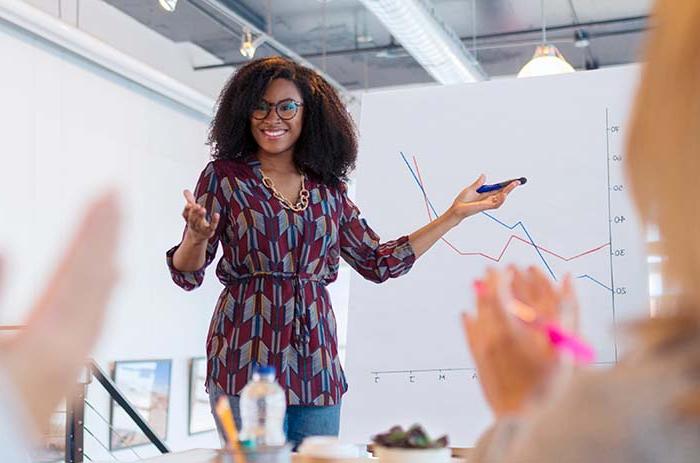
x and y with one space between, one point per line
263 408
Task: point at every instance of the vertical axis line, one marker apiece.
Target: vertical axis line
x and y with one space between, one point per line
612 250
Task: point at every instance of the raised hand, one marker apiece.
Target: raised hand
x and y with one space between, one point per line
553 302
513 359
199 229
43 360
469 202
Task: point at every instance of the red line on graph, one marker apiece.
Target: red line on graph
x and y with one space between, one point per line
425 192
510 239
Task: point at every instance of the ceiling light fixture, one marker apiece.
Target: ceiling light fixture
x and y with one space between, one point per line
364 36
168 5
248 45
229 15
581 39
547 59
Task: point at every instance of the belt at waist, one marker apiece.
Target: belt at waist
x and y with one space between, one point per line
303 277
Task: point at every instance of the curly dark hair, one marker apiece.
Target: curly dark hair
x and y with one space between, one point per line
327 147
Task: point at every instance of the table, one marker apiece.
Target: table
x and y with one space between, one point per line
212 456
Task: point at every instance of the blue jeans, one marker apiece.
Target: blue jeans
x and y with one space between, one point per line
300 422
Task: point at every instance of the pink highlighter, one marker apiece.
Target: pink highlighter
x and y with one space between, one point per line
563 341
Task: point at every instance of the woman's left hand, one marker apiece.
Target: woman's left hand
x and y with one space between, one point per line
469 202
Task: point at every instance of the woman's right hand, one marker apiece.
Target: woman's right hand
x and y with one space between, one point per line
199 229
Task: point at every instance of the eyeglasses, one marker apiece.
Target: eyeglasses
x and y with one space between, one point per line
286 109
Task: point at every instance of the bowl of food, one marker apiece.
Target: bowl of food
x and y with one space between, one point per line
410 446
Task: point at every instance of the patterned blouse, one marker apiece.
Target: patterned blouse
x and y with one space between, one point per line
274 308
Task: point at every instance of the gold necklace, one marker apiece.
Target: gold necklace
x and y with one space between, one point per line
300 205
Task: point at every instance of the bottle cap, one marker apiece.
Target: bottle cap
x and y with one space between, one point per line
264 370
248 444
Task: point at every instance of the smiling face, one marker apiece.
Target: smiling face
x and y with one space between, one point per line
276 135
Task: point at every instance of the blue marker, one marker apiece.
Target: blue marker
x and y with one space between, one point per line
498 186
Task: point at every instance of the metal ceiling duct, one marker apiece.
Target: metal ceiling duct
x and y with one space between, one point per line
431 42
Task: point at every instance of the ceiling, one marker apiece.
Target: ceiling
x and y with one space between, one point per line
360 52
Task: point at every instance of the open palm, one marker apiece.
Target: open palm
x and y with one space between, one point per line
469 202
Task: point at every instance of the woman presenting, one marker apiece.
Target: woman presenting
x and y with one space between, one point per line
275 198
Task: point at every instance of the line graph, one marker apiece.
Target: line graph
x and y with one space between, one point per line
442 375
431 211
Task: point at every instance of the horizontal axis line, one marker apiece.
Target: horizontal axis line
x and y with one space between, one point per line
442 370
431 370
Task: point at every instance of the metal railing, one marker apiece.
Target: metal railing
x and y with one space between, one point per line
75 414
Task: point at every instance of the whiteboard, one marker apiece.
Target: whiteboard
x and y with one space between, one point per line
406 356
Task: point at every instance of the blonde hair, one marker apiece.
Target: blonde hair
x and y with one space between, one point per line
663 165
663 147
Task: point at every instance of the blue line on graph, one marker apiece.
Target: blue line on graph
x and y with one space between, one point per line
425 194
519 223
595 281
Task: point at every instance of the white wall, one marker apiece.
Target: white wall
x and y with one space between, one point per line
110 25
68 129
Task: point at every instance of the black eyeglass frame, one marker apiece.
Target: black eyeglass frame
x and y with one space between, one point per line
277 109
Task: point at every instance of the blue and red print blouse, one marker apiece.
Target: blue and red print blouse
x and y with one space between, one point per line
274 308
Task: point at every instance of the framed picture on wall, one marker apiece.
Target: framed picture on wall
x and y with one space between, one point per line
146 385
200 417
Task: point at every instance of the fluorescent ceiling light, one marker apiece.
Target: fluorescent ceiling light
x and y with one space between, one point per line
431 42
